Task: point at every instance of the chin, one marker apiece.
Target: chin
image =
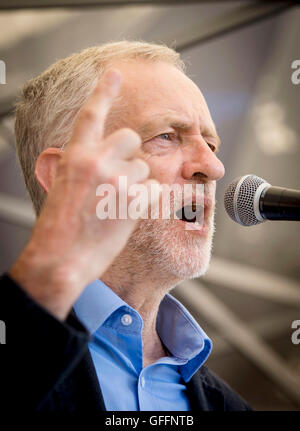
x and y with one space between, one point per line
186 257
173 251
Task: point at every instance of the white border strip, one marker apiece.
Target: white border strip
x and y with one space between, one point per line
256 200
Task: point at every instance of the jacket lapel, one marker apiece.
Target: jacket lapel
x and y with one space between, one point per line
204 396
80 390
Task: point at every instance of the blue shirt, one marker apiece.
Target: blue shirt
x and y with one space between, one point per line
117 351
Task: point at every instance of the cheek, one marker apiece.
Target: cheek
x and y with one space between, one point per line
158 149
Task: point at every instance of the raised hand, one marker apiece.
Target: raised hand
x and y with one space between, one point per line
70 246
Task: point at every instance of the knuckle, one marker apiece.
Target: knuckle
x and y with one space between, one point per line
84 165
92 167
131 135
88 115
141 167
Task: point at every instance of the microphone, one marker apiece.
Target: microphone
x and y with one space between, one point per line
250 200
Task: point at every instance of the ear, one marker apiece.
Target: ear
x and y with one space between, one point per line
46 166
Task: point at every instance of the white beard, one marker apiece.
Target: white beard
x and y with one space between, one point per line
172 250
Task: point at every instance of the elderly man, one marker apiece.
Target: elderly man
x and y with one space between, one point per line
90 322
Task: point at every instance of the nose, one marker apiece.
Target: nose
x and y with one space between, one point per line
202 162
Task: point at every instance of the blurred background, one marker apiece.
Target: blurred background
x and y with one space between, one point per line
240 54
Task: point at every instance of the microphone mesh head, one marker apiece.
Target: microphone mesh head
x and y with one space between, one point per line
239 199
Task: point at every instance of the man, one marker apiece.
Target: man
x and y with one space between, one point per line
127 109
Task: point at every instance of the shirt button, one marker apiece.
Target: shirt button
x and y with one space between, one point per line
143 381
126 319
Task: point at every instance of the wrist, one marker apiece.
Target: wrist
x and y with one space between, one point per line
51 284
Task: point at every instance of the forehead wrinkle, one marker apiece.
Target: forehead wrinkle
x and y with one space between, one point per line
121 115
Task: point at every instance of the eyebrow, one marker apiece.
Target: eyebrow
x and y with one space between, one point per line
166 121
177 123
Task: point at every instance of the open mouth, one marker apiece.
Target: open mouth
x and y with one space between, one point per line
192 213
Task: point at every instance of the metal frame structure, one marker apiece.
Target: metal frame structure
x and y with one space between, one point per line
47 4
253 281
192 36
226 274
239 335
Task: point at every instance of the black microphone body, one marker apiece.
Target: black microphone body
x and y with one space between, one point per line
250 200
277 203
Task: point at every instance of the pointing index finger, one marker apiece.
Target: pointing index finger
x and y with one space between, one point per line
89 124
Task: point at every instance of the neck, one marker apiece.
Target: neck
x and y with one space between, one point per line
142 287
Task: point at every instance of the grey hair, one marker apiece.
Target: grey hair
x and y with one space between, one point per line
49 103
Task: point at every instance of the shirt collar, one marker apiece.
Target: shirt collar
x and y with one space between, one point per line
182 335
96 303
178 330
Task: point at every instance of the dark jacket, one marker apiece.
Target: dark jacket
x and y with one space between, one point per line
46 364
